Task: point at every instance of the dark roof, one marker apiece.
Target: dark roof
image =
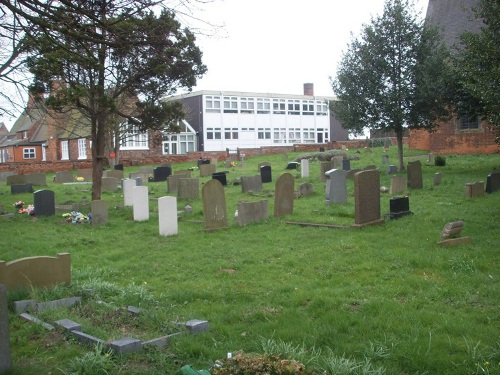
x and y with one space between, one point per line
454 17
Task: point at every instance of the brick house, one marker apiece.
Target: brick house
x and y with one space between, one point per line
459 135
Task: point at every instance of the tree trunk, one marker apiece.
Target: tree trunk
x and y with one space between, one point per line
399 138
97 160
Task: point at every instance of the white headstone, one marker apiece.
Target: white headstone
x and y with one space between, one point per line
304 168
167 216
336 186
141 203
128 191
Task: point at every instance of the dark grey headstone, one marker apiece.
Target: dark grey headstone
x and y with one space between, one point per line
118 167
392 169
99 210
399 206
21 188
266 174
161 173
251 183
5 353
44 202
292 165
492 182
221 177
346 165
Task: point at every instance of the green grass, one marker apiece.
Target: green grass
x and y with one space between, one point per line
381 299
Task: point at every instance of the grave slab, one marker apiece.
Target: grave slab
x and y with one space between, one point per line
68 325
197 326
125 345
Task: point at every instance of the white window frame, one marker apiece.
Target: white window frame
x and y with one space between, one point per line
64 150
263 106
230 104
212 104
29 153
82 148
308 107
321 108
279 106
264 133
214 133
293 106
133 139
247 105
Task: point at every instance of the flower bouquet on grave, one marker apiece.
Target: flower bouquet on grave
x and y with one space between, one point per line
18 204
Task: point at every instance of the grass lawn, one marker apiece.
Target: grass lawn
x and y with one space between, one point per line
372 300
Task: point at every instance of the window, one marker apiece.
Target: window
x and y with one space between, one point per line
308 107
132 138
279 106
212 104
294 135
187 143
279 135
82 148
466 123
230 104
214 133
308 135
294 107
263 106
29 153
264 133
231 133
247 105
321 108
64 150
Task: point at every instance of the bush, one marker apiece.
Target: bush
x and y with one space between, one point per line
243 364
439 161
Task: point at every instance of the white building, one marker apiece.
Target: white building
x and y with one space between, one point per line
228 120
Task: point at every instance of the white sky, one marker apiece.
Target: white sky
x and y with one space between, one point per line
275 46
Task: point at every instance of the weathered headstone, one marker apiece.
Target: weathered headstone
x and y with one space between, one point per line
109 184
251 212
385 159
351 173
44 202
371 166
392 169
430 158
4 175
336 162
173 182
474 189
141 203
188 188
492 182
37 179
214 205
336 186
398 185
450 234
367 198
128 186
135 175
64 176
414 173
17 179
5 352
99 211
207 169
161 173
305 189
346 165
21 188
284 195
185 172
251 183
266 174
85 173
221 177
304 168
437 179
147 170
167 216
399 206
114 173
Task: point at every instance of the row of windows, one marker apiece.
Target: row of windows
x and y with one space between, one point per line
279 135
233 104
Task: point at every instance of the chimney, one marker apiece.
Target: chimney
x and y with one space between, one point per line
309 89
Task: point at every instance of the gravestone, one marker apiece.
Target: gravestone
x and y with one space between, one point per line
64 177
85 173
251 183
414 173
336 162
128 186
321 149
118 167
304 168
147 170
371 166
305 189
99 211
114 173
437 179
430 158
351 173
385 159
17 179
399 206
284 195
38 179
207 169
346 165
214 205
221 177
5 352
251 212
263 164
323 168
292 165
392 169
367 198
474 189
4 175
336 186
44 202
492 182
161 173
109 184
266 174
185 172
167 216
202 161
188 188
141 175
398 185
138 181
141 203
21 188
173 183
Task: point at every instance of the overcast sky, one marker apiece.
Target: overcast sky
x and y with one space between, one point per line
275 46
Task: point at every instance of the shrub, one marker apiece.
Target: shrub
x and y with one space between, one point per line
439 161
